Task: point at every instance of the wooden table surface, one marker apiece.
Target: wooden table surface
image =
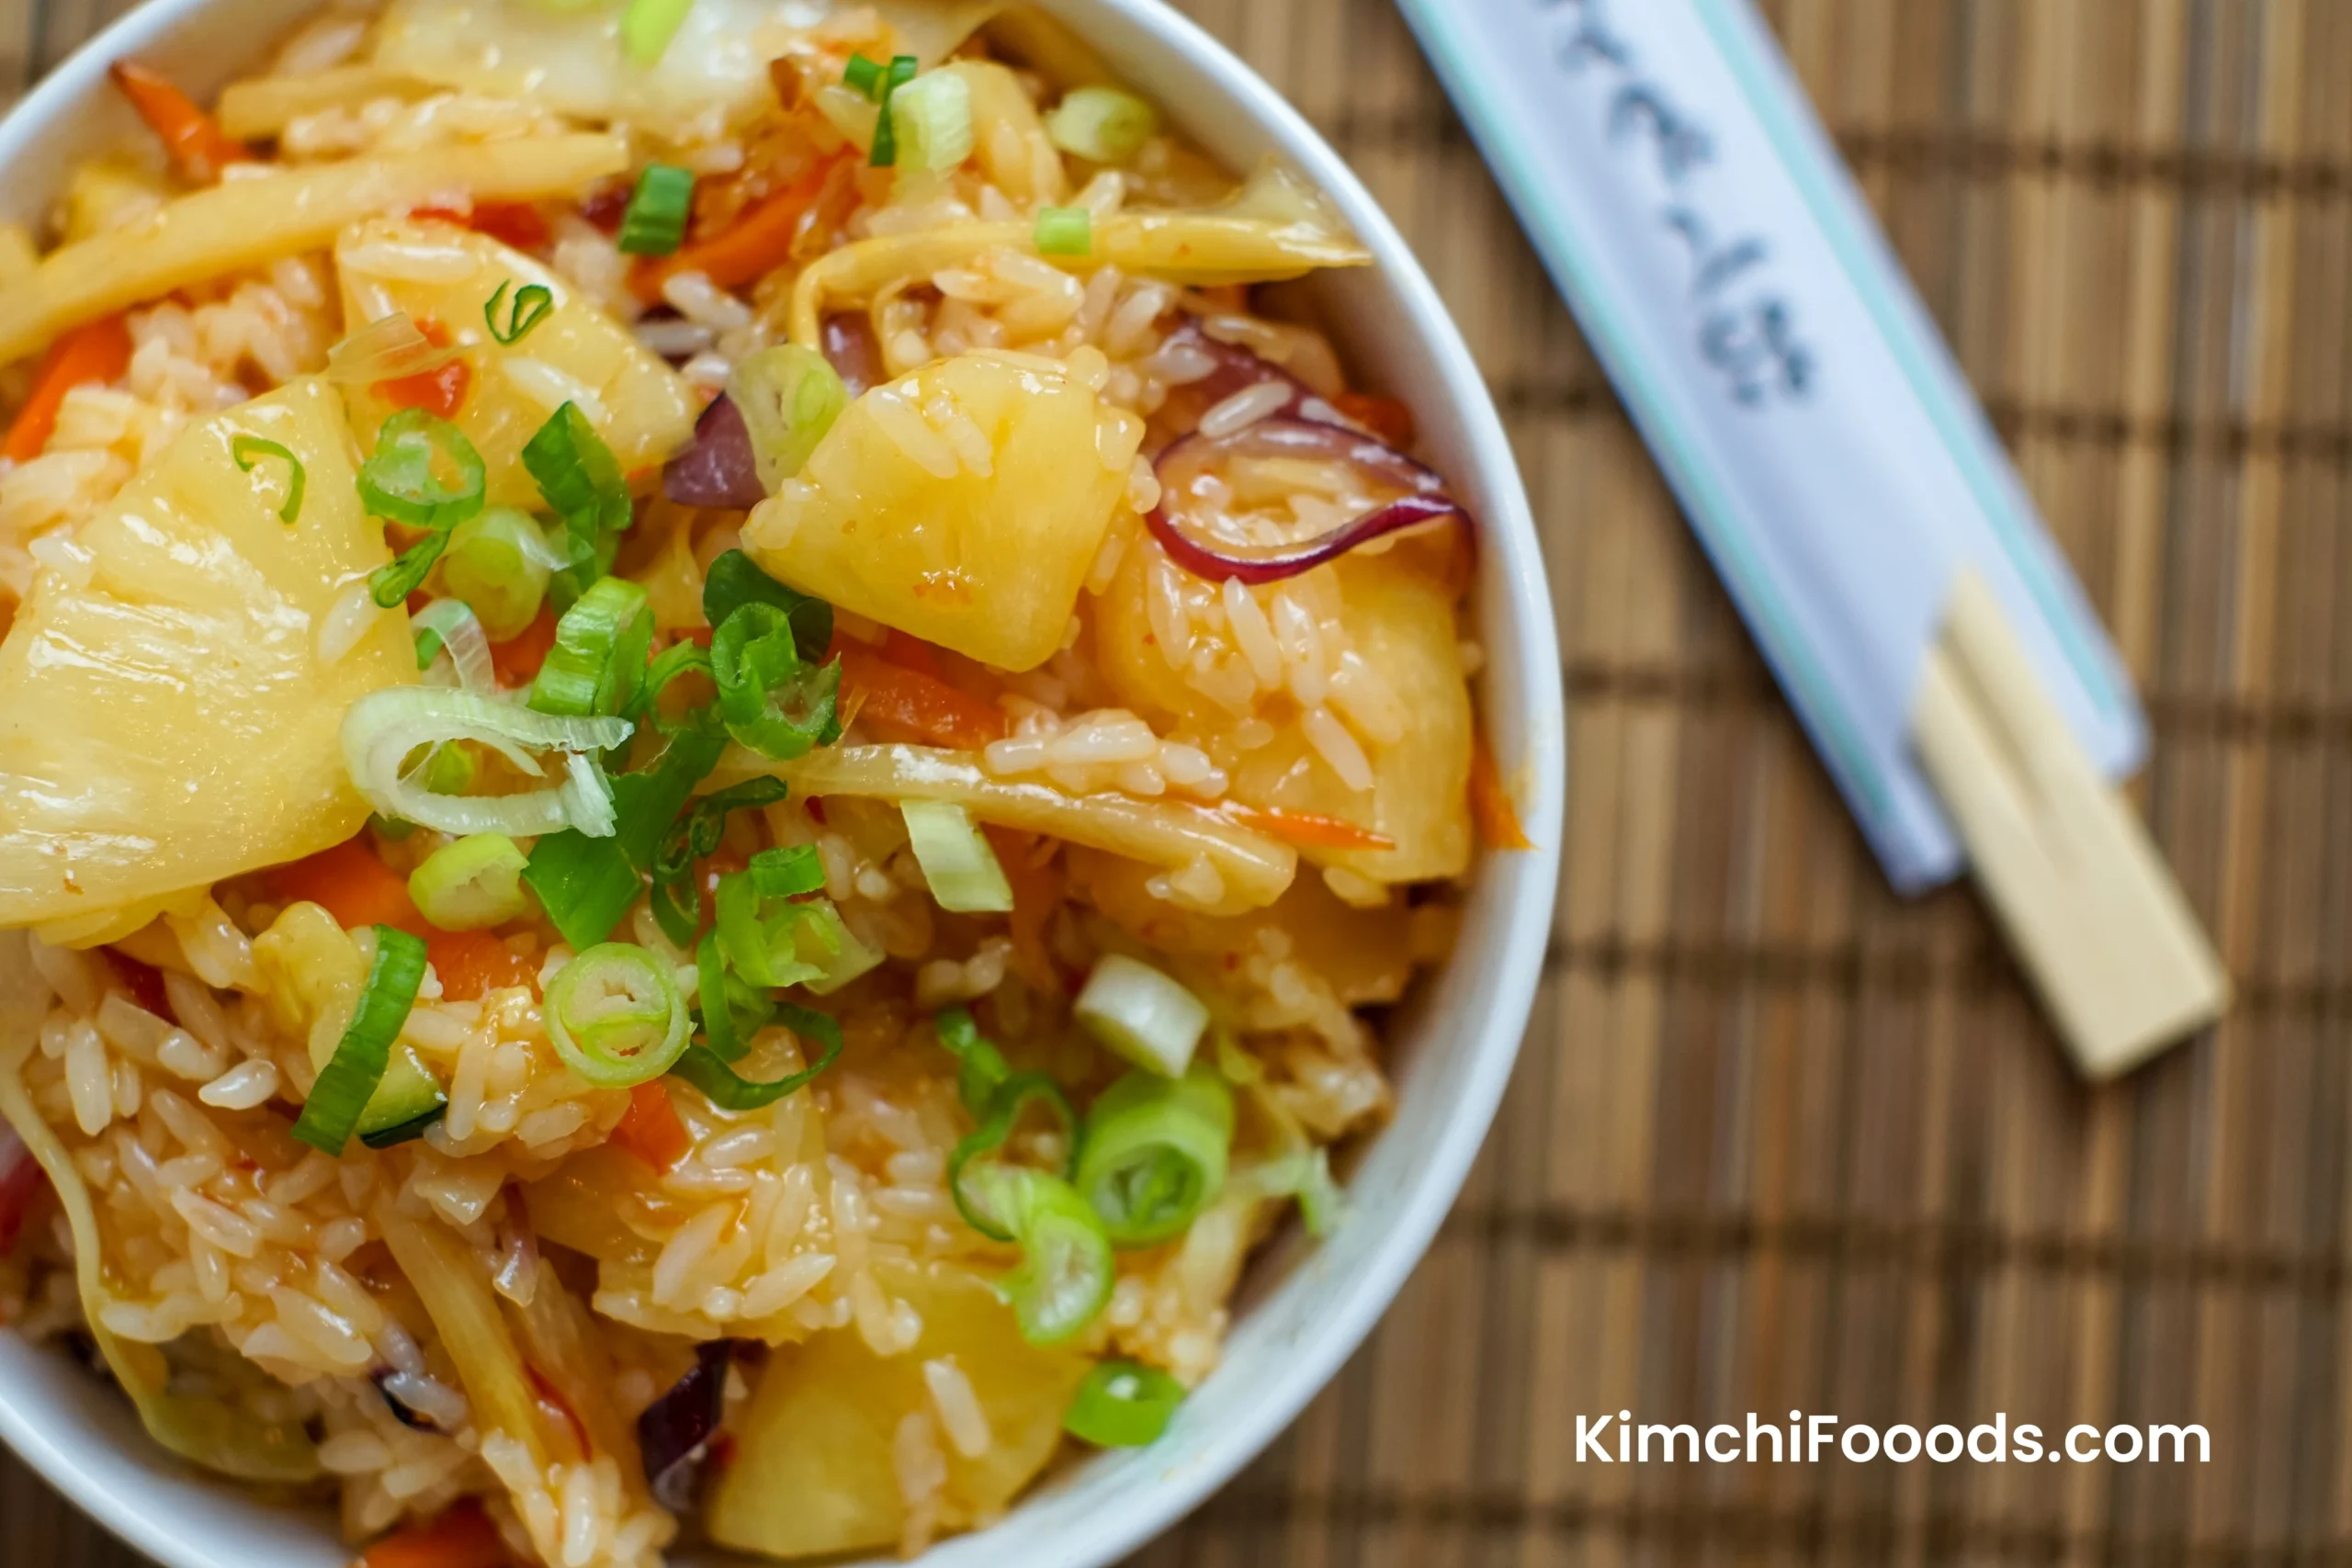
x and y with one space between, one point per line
1777 1139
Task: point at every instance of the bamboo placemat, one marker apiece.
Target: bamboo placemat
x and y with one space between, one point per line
1776 1140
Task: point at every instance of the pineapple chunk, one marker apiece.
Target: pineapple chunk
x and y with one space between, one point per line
981 551
813 1473
442 275
166 717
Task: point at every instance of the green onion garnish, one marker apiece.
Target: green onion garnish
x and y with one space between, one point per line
863 74
761 938
655 222
534 303
1065 230
451 624
647 28
616 1017
248 449
788 873
471 885
400 481
695 833
727 1030
344 1089
597 665
932 121
383 730
790 397
773 701
886 137
707 1072
582 483
1016 1095
498 564
586 883
734 581
1305 1175
980 1066
1141 1014
956 858
1155 1154
1066 1271
1102 125
1123 1405
844 956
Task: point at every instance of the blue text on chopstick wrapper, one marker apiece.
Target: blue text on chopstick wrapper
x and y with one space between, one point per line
1797 396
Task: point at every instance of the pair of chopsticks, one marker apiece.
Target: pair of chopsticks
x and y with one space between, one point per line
2087 903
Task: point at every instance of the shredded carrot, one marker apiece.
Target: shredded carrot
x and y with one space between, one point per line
757 245
198 147
1306 829
1038 886
353 886
651 1130
1385 417
472 965
1491 803
439 391
462 1537
516 223
96 351
912 651
517 660
906 703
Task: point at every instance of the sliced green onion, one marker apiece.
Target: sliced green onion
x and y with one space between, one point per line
647 28
655 222
615 1016
534 303
499 563
863 74
471 885
789 397
1016 1095
384 729
391 584
848 956
768 941
788 873
585 884
391 829
1155 1154
446 770
979 1066
695 832
709 1072
1123 1405
931 121
727 1029
772 702
451 624
597 665
956 858
344 1089
401 479
1305 1175
1142 1014
1065 230
885 136
1102 125
677 660
582 483
1066 1271
246 450
735 580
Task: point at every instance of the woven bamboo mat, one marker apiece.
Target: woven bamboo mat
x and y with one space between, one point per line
1776 1140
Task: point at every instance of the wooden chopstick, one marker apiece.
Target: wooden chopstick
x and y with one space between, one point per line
2088 904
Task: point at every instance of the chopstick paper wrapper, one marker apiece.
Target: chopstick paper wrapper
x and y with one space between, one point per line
1842 478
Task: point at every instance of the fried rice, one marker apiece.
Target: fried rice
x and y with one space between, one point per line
1139 653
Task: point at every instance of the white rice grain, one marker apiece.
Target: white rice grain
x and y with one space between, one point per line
1243 408
957 1406
241 1088
1336 746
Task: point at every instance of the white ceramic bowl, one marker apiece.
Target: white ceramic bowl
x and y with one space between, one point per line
1304 1307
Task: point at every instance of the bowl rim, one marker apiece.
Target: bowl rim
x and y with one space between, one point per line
1513 581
